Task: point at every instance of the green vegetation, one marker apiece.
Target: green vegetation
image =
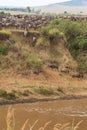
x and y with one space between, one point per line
2 13
75 35
4 34
26 58
32 62
3 49
49 35
24 93
13 94
44 90
18 56
3 93
8 96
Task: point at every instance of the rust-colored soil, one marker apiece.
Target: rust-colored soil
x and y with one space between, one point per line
49 78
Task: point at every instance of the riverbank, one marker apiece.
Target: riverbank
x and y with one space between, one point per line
34 100
34 94
30 72
47 86
18 89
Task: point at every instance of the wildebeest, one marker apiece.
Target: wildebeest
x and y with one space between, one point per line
77 75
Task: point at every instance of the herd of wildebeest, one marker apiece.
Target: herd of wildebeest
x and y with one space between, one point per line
31 21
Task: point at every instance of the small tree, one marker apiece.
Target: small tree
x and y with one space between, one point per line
28 9
65 12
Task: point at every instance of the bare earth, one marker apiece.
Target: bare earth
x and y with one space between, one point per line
72 87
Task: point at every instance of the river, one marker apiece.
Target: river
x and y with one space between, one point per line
62 111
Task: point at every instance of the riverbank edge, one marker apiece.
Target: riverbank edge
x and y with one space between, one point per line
45 99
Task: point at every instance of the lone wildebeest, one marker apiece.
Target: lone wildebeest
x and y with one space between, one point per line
77 75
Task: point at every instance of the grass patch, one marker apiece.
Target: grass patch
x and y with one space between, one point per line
18 84
20 93
44 91
49 35
6 95
11 96
33 62
3 93
4 34
3 49
26 93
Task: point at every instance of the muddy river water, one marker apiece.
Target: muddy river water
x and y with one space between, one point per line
62 111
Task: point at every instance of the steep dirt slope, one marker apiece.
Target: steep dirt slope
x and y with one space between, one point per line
27 68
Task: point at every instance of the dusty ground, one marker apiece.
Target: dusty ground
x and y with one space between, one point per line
49 77
68 87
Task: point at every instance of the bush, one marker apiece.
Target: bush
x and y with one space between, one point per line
44 90
42 42
81 41
25 93
11 96
2 13
54 35
33 62
76 36
3 93
8 96
82 63
4 34
49 35
75 33
3 49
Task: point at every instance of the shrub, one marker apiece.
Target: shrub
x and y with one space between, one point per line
11 96
33 62
3 49
81 41
4 34
82 63
49 35
8 96
3 93
76 36
42 42
44 90
25 93
54 35
2 13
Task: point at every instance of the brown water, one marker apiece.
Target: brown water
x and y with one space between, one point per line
56 111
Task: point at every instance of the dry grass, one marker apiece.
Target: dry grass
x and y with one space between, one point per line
10 119
44 127
67 126
11 123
